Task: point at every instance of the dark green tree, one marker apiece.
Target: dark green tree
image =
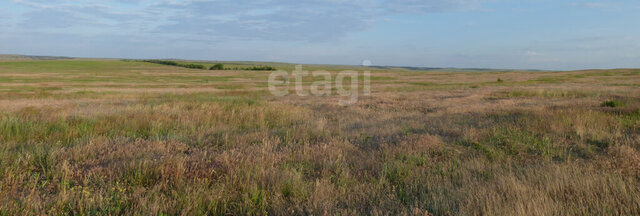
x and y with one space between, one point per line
217 67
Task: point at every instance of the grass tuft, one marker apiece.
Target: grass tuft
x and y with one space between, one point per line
612 103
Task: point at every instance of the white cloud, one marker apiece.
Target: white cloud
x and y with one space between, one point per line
531 53
429 6
271 20
597 5
609 6
284 20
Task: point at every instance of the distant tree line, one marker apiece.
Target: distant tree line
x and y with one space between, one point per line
218 66
253 68
164 62
172 63
193 66
261 68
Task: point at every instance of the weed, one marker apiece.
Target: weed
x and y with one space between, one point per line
612 103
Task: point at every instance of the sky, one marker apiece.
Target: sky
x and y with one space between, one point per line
515 34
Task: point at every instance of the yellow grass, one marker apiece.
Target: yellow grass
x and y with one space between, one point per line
113 137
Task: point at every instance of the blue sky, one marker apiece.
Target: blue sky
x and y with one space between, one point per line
532 34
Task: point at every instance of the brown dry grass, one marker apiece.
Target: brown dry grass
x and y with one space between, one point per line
424 143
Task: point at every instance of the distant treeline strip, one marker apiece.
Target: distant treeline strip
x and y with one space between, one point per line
172 63
214 67
255 68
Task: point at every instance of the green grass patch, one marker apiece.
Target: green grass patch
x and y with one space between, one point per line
544 93
613 103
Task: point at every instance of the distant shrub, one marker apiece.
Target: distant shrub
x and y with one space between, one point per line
252 68
164 62
172 63
500 80
217 67
612 103
193 66
261 68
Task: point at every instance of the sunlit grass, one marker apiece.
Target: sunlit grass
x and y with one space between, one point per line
108 137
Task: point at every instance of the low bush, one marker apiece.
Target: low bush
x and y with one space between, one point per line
164 62
252 68
172 63
217 67
193 66
612 103
261 68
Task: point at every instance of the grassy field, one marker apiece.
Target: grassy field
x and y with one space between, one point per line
109 137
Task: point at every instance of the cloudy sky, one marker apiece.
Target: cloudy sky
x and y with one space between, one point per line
534 34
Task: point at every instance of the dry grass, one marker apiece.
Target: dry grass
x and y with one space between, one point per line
111 138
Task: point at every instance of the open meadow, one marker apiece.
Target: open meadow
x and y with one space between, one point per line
112 137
